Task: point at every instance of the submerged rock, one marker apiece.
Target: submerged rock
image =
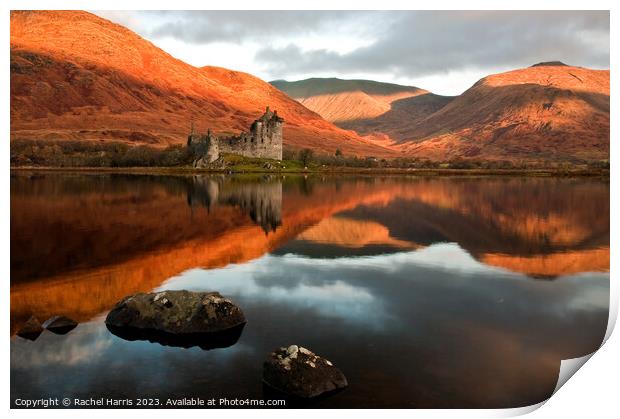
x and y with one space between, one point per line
60 325
178 318
31 329
299 372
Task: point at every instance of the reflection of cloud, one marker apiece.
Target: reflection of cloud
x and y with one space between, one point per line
589 298
477 335
69 350
331 287
90 361
445 256
336 298
451 257
349 288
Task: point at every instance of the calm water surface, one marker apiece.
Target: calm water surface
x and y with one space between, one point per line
444 292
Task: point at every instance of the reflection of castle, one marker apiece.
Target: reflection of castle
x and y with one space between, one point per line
264 140
261 201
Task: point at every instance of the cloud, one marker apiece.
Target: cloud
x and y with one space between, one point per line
445 51
424 43
206 26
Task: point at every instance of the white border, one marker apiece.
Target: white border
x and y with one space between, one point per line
592 393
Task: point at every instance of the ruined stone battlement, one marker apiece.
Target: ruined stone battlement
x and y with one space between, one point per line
263 140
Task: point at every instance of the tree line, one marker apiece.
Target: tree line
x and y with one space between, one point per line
96 154
73 153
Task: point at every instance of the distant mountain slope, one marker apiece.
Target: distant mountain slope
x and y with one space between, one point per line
346 101
401 118
75 75
549 111
325 86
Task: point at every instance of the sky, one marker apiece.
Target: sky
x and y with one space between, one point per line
442 51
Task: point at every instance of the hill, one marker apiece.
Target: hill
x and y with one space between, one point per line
77 76
354 103
100 81
547 112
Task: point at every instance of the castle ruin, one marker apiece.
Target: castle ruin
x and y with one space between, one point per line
263 140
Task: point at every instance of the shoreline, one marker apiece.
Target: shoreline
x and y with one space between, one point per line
326 171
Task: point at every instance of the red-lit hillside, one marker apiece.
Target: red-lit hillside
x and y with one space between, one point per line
548 111
75 75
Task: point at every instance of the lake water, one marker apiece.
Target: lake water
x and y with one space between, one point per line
425 292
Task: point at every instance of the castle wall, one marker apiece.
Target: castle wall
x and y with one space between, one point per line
264 141
250 146
204 147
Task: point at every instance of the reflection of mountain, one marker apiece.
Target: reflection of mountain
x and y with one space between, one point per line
123 234
340 236
105 220
513 216
540 227
554 264
82 242
261 200
345 232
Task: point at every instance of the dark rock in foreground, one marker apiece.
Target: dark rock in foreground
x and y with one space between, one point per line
299 372
60 325
31 329
178 318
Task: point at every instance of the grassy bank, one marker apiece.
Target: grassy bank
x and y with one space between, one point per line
118 157
329 171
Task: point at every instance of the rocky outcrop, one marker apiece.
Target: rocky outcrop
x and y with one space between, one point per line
178 318
31 329
299 372
60 324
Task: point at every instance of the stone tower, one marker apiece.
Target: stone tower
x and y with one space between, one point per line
204 147
266 134
264 140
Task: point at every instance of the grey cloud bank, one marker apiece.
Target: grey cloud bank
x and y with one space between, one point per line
423 43
202 27
389 45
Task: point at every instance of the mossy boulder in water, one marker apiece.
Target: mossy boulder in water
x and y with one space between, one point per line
299 372
179 313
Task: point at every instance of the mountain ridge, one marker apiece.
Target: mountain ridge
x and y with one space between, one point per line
547 112
101 81
554 113
341 101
